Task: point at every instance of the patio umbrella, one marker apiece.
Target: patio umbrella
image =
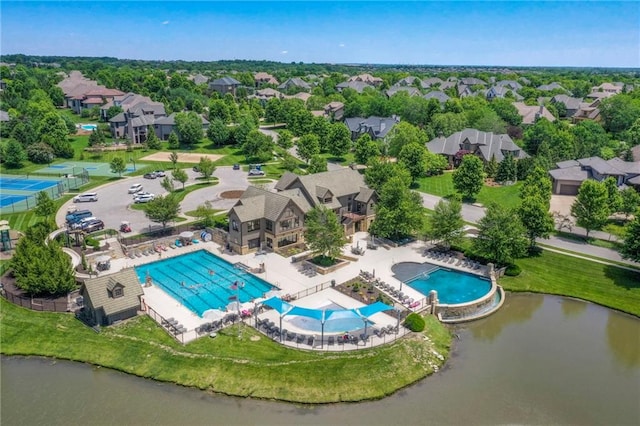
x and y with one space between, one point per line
233 307
186 235
213 314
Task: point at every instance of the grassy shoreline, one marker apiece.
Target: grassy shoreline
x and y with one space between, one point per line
228 364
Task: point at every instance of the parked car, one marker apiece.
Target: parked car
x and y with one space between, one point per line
236 166
95 225
88 196
136 187
256 172
196 169
145 198
141 194
77 216
160 173
150 175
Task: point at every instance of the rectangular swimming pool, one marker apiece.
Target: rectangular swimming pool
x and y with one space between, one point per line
201 280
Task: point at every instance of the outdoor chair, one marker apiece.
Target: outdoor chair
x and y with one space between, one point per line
331 341
364 337
353 339
300 338
476 266
311 341
132 255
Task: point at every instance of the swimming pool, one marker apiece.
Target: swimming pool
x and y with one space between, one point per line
89 127
453 287
201 280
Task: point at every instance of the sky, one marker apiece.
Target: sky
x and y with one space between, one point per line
520 33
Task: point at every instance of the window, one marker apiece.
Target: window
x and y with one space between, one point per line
285 224
117 292
234 225
268 225
255 243
327 200
269 243
288 240
253 225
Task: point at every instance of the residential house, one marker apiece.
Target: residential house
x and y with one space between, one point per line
464 90
587 111
334 110
263 95
410 90
124 101
611 88
572 105
501 92
275 220
448 85
134 122
366 78
569 175
294 82
551 86
262 78
430 82
439 95
408 81
358 86
111 298
224 85
376 127
483 144
303 96
198 79
531 113
472 81
511 84
163 126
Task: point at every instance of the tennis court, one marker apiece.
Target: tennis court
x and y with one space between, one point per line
75 168
15 189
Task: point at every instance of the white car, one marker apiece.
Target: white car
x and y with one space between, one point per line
136 187
89 196
142 194
256 172
144 198
160 173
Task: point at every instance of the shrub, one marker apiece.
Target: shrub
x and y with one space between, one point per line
92 242
414 322
40 153
512 270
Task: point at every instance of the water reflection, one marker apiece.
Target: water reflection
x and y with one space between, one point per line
517 308
572 307
624 339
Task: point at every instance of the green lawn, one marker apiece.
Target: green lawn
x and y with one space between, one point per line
442 186
556 273
228 364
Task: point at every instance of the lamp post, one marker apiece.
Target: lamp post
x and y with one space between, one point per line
134 163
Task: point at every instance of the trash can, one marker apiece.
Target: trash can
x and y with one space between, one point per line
333 283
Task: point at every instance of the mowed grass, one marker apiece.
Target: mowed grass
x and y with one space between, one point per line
442 186
555 273
229 364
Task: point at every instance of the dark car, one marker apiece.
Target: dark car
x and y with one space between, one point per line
151 175
94 225
236 166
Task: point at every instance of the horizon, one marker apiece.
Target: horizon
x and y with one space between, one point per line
433 34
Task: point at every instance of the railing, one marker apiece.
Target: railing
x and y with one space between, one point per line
312 290
36 304
182 337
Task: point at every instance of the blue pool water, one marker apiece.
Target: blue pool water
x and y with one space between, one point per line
453 287
89 127
187 279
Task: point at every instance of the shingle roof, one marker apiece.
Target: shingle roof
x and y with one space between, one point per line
225 81
489 144
575 173
437 94
568 163
97 290
358 86
171 120
629 167
143 120
430 82
530 113
514 85
551 86
118 118
600 166
412 91
379 125
567 101
4 116
295 81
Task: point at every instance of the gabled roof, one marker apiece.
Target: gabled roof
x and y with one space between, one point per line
256 203
171 120
430 82
143 120
530 113
225 81
98 291
358 86
567 101
303 96
366 78
4 116
628 167
380 126
142 108
198 78
472 81
264 77
407 81
600 166
118 118
574 173
489 144
365 194
551 86
437 94
412 91
501 92
568 163
295 81
514 85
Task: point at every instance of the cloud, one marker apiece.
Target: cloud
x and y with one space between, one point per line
341 45
284 52
165 22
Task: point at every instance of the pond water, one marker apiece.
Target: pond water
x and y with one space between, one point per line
539 360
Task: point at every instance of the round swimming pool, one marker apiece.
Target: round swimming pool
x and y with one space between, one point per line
453 287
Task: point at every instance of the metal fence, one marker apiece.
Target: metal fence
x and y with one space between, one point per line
312 290
173 331
36 304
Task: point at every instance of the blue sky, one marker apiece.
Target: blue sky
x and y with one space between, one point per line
594 33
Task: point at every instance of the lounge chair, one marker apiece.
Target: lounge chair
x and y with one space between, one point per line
131 255
331 340
364 337
311 340
178 243
300 338
195 241
138 253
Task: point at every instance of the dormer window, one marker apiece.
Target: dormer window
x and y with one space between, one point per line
118 292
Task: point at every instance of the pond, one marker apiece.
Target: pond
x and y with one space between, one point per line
539 360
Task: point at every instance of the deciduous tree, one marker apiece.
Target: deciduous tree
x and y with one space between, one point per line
163 209
399 211
188 128
501 235
44 205
180 175
631 247
413 156
507 170
324 234
206 167
468 178
535 216
14 154
365 149
591 207
317 164
339 139
630 201
446 222
380 172
308 146
118 165
218 132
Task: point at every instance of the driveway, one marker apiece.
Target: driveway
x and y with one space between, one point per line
228 180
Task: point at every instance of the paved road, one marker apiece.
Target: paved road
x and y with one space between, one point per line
228 180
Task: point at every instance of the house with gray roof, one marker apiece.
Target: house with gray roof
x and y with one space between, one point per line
483 144
569 175
358 86
224 85
263 219
410 90
4 117
111 298
432 81
134 122
472 81
407 81
163 126
551 86
531 113
501 92
439 95
367 78
294 83
511 84
198 79
572 105
376 127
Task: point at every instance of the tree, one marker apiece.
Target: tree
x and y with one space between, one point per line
630 201
153 141
535 216
180 175
324 234
206 167
218 132
631 247
113 111
163 209
173 157
205 212
413 156
435 163
118 165
403 134
365 149
469 176
258 145
491 167
507 170
289 162
40 153
379 172
446 222
507 111
308 146
167 184
14 154
613 194
285 139
339 138
590 138
317 164
96 138
542 131
448 123
188 127
537 183
399 211
242 130
500 236
591 208
44 205
174 142
619 112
